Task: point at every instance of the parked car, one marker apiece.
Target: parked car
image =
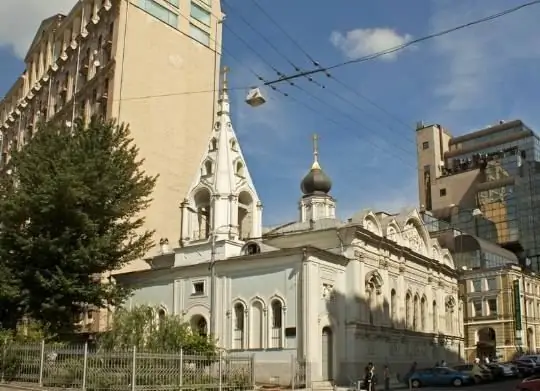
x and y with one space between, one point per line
531 383
526 367
476 372
438 376
505 370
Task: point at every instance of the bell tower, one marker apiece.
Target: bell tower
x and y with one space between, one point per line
222 200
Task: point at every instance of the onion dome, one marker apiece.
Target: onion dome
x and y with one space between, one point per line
316 180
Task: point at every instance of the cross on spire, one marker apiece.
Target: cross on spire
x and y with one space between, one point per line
315 165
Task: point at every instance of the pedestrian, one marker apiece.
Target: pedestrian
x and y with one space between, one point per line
368 378
386 374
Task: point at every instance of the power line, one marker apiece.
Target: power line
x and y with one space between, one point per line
331 76
405 45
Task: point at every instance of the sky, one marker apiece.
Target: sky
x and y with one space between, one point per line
365 113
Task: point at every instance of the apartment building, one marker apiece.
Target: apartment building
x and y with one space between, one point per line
485 183
501 311
153 64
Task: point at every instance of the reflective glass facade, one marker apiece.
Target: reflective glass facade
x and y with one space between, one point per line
509 197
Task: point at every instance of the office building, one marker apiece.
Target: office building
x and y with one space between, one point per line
153 64
484 183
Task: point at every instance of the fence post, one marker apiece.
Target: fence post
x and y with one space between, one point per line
293 372
133 368
220 371
85 366
181 367
252 359
41 362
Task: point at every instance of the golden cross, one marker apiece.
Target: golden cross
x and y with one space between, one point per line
224 72
315 147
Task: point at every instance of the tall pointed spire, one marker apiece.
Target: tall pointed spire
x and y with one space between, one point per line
223 101
223 188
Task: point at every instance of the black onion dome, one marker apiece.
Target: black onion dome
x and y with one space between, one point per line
316 181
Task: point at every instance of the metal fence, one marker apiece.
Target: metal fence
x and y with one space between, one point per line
85 368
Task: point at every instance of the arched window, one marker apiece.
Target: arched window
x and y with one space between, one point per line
393 307
162 316
435 315
277 324
423 311
416 312
239 326
408 310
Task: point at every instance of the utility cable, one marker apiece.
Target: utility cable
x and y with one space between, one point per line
405 45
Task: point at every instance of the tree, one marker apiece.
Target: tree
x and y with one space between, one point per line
147 329
70 211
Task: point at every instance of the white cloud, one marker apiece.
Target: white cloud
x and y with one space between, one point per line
362 42
20 19
475 63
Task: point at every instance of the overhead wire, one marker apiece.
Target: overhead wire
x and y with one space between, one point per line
318 65
407 44
324 103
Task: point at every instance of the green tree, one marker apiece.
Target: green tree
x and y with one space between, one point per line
144 328
70 211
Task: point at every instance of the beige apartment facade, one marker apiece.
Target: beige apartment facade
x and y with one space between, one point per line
496 322
153 64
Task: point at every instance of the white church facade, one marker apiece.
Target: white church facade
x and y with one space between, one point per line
317 298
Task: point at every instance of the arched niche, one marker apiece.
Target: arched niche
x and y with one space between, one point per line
245 215
202 198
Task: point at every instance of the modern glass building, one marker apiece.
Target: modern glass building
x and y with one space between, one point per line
486 184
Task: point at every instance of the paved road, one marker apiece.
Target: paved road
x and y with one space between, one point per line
509 385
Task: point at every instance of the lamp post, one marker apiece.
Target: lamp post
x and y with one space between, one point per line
212 267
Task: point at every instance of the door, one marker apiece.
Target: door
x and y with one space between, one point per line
327 354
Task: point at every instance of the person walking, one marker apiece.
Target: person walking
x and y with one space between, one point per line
386 374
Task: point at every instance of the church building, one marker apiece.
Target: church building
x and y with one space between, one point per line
315 299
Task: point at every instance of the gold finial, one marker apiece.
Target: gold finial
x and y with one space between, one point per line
315 152
224 72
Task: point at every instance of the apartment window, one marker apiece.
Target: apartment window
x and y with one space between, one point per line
491 284
199 35
200 14
477 285
425 145
442 192
159 12
477 304
198 288
492 306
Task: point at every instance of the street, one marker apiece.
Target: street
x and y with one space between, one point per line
509 385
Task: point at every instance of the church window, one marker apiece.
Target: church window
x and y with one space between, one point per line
239 169
415 313
161 316
252 249
203 214
257 317
213 145
393 307
239 321
435 316
208 168
245 215
198 288
408 310
277 323
423 310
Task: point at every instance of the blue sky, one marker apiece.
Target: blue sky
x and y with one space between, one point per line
464 81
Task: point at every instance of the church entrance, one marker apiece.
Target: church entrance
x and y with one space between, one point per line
327 356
